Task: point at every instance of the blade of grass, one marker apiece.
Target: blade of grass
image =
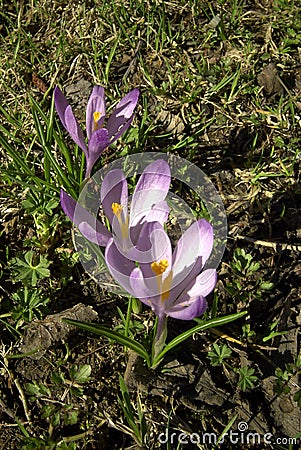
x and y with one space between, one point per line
113 335
216 322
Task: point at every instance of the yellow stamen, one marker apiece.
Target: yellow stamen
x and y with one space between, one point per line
124 226
96 117
117 209
159 267
166 286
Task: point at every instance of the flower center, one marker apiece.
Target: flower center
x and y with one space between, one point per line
117 209
159 267
124 226
96 117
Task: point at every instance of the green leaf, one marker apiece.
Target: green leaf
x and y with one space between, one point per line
76 391
218 354
47 411
113 335
297 398
82 374
216 322
32 389
70 418
246 378
28 270
57 378
266 286
55 420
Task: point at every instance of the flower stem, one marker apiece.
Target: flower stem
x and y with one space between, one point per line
128 317
159 341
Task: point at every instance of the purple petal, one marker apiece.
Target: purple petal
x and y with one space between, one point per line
88 225
122 115
160 249
161 246
182 280
158 213
140 245
139 287
98 142
199 286
114 189
197 241
60 104
68 119
119 266
203 284
142 292
97 104
196 309
97 233
152 188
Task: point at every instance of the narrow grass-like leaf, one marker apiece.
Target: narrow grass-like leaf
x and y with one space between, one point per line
110 58
110 334
225 430
62 178
203 325
19 162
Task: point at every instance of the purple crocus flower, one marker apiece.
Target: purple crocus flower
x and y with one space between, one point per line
171 283
147 204
99 137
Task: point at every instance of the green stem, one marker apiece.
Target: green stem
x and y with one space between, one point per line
128 317
159 341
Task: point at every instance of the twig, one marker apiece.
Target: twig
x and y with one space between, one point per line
23 399
275 245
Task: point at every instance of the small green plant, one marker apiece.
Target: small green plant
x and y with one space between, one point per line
30 304
247 333
218 354
62 387
41 210
246 283
246 378
30 269
243 265
272 333
283 379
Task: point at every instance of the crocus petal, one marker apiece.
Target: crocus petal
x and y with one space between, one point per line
161 246
197 241
119 266
196 309
182 280
68 119
114 189
122 115
152 188
75 131
98 142
158 213
96 104
84 220
140 245
97 233
60 104
203 284
142 292
200 286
